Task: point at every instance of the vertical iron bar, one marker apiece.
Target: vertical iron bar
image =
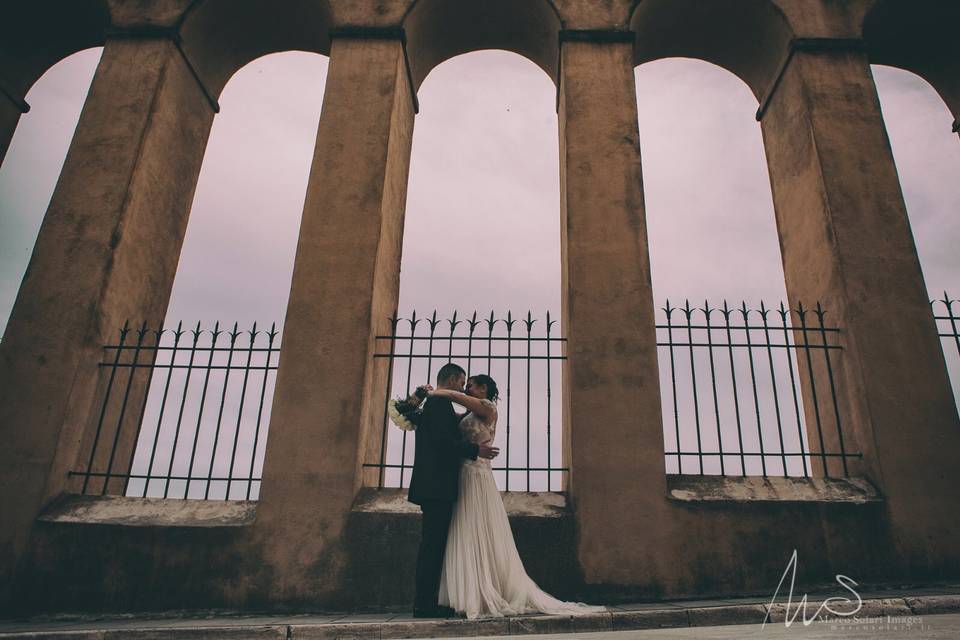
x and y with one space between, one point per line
549 402
688 312
143 410
673 383
453 326
183 402
394 320
510 322
163 403
753 383
733 377
713 381
103 408
123 410
833 391
473 325
223 397
802 313
784 314
203 397
773 383
403 446
529 323
490 322
243 396
433 322
263 391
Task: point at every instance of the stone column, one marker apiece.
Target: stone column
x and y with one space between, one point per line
613 437
328 404
846 242
107 250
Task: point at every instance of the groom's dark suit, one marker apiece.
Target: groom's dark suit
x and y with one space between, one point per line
433 486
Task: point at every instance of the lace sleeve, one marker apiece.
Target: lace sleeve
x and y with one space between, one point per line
492 422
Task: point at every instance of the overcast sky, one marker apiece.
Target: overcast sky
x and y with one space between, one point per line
484 175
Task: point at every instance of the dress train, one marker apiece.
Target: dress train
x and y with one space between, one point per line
483 575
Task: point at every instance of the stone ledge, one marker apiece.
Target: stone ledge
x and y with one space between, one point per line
869 608
517 503
649 619
692 489
933 604
149 512
356 631
670 615
724 615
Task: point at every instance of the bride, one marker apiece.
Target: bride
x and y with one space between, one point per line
482 574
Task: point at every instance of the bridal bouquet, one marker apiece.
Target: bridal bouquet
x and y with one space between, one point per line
404 413
401 412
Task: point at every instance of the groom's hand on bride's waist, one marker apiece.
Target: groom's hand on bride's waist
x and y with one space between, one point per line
486 451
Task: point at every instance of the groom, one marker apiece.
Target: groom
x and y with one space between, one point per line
434 483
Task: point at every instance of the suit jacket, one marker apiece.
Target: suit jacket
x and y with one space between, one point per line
439 450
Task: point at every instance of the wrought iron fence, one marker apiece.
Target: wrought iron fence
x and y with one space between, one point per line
945 314
947 322
172 420
522 354
740 385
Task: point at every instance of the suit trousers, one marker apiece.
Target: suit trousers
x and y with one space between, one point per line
433 543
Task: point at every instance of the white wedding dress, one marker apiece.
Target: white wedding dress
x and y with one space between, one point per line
483 575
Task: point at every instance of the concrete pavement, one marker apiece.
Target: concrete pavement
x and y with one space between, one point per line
890 614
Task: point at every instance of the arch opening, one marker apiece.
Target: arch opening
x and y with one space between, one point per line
32 165
928 161
482 234
749 38
714 242
234 274
918 36
222 36
438 30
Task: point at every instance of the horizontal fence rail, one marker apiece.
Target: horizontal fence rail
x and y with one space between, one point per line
523 355
182 413
740 387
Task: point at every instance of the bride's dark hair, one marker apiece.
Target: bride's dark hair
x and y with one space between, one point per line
492 392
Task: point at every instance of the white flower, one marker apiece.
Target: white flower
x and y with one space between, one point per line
398 418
